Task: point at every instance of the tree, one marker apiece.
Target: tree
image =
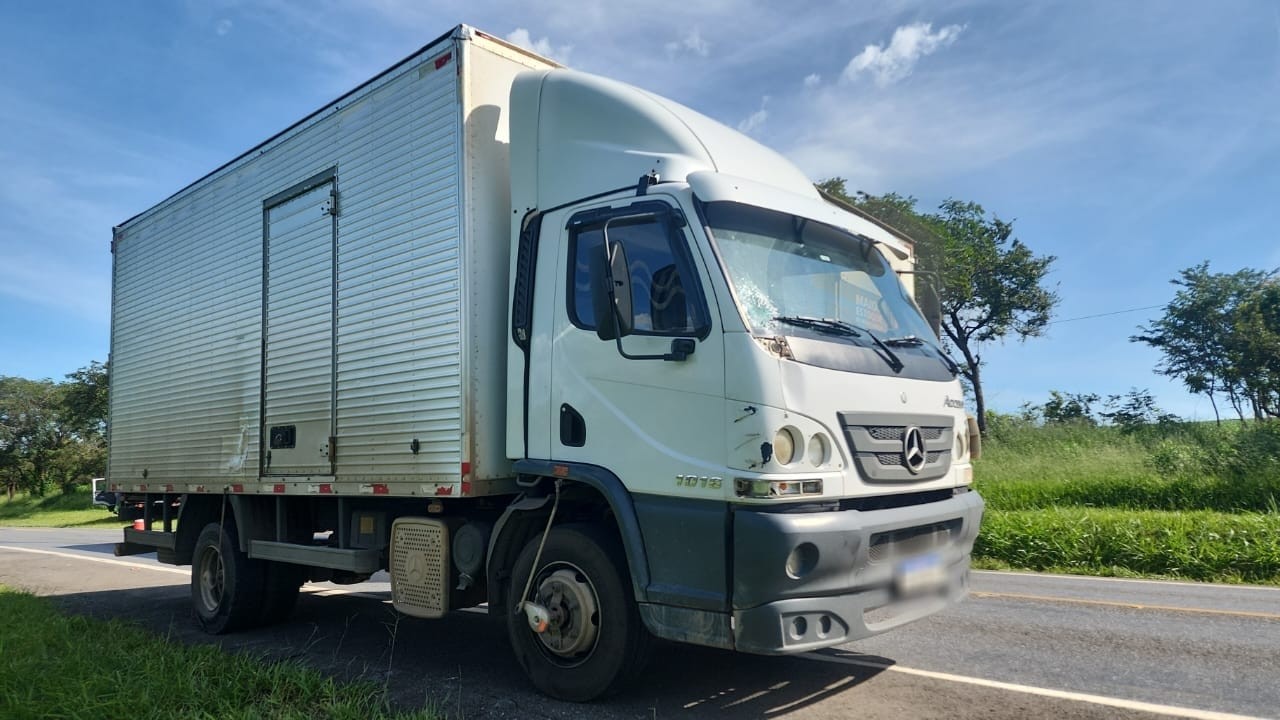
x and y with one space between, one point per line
1257 347
84 399
1218 335
53 434
30 432
1064 408
1133 410
992 285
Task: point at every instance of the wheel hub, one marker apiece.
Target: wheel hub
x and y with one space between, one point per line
212 579
573 613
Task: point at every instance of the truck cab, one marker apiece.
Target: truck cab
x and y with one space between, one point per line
696 331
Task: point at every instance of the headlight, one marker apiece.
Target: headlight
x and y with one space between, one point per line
784 446
819 450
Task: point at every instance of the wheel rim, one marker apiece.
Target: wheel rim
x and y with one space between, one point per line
573 610
213 578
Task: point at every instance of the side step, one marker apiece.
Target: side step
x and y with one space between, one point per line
349 559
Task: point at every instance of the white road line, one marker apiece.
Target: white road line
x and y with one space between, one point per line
1127 605
1096 578
1170 710
113 561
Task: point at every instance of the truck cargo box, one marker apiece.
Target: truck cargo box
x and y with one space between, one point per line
327 312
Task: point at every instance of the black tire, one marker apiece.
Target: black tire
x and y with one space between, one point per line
581 566
226 586
280 595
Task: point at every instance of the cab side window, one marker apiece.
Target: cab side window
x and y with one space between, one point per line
665 293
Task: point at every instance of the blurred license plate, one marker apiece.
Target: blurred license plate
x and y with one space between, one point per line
920 574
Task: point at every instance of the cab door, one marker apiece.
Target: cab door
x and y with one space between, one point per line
652 422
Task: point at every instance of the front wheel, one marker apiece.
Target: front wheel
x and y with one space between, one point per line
594 641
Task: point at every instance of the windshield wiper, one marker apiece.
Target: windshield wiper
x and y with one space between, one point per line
889 356
827 325
913 341
840 327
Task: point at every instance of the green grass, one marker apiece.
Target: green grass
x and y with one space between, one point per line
56 510
70 667
1185 501
1195 545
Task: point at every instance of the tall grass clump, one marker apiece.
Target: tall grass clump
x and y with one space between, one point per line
55 666
1190 500
1198 545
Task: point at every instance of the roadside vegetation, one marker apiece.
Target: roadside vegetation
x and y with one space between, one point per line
54 666
65 509
1196 501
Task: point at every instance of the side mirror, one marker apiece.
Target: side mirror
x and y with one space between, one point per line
611 291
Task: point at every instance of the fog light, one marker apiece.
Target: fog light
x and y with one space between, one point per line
802 560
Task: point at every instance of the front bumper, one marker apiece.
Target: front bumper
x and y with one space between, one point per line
840 584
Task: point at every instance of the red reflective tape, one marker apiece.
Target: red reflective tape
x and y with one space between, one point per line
142 488
237 488
326 488
466 469
380 489
466 487
443 60
444 490
199 488
168 488
279 487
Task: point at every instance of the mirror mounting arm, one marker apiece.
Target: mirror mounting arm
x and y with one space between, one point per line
681 349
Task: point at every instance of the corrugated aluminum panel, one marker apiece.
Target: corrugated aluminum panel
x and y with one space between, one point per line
187 316
399 326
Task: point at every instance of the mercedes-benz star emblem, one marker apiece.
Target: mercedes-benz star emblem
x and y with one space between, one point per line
913 455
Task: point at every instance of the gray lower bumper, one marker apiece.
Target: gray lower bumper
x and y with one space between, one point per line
807 581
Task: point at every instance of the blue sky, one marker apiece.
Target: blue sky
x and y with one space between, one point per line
1131 139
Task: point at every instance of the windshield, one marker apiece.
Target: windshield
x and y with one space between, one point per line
783 267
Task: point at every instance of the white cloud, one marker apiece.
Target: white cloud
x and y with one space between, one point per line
953 122
692 42
755 119
895 62
223 27
811 80
542 46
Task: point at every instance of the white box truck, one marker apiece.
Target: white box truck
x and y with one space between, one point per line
529 337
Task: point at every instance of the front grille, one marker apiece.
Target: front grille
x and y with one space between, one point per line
875 440
894 432
895 459
908 542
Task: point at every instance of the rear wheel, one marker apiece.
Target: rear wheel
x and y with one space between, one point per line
594 641
226 586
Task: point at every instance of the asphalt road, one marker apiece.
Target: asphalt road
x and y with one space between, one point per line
1022 646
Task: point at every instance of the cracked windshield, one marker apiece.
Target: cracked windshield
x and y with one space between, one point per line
789 268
